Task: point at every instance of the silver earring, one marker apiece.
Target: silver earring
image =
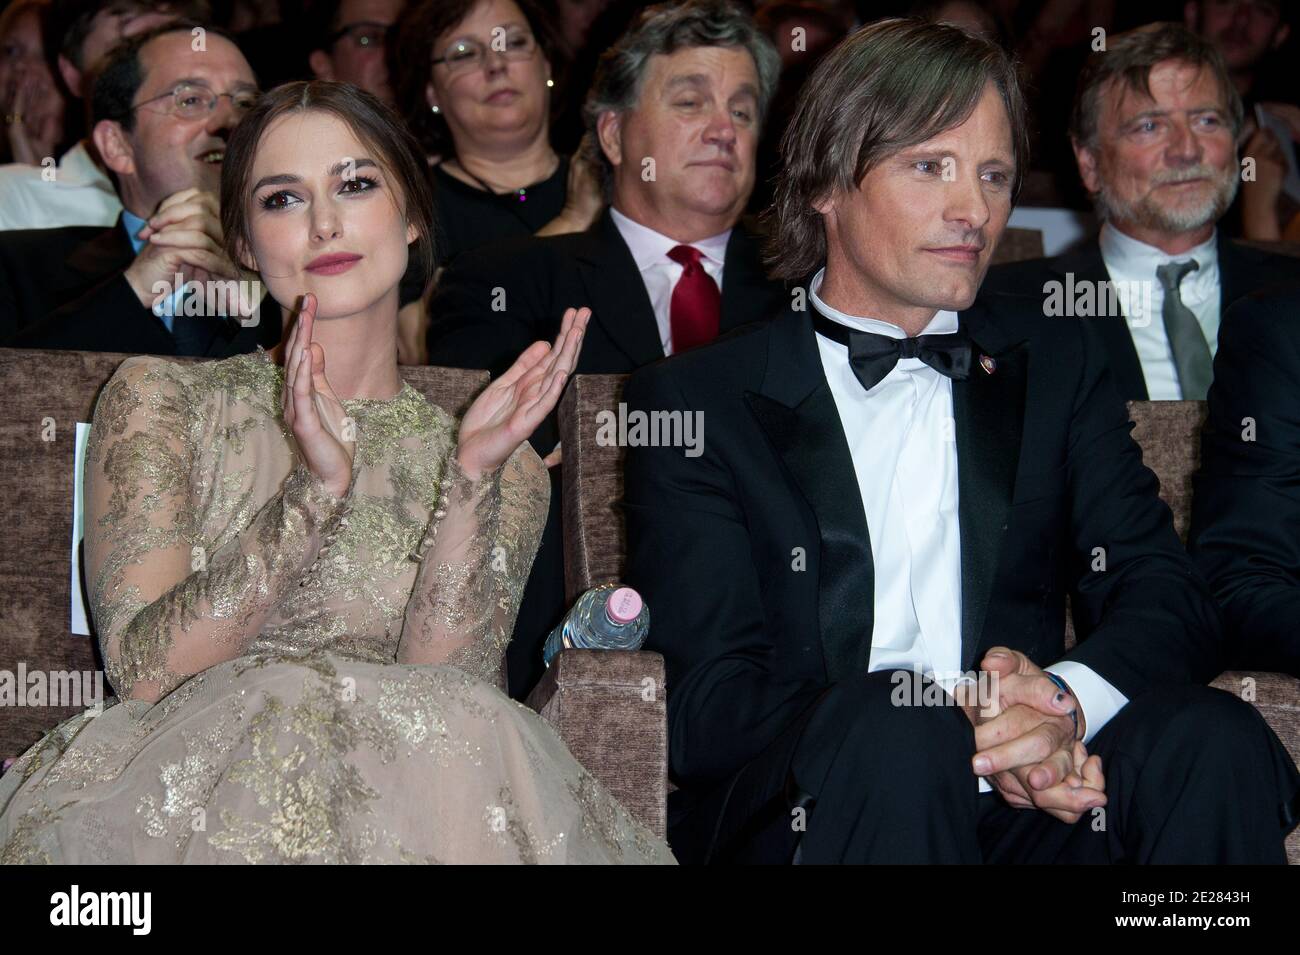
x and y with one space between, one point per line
550 82
434 108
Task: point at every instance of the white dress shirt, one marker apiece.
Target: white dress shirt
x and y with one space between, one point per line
79 194
1129 261
660 273
902 441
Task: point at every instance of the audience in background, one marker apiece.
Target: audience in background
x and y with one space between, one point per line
353 43
676 111
1247 33
576 18
971 16
802 31
78 190
32 105
162 112
1154 128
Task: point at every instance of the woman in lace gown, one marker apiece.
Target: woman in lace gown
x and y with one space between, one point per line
303 601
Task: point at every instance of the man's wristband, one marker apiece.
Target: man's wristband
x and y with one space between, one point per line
1065 688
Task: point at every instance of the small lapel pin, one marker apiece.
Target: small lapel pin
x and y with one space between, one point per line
988 364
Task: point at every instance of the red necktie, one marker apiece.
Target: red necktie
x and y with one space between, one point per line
696 305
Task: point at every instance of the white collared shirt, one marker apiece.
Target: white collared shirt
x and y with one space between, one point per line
79 193
902 440
660 273
1129 262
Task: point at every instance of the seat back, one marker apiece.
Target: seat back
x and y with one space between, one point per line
1018 245
1170 435
595 536
44 394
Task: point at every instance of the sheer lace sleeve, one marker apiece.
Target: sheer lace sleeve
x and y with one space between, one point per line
163 608
475 558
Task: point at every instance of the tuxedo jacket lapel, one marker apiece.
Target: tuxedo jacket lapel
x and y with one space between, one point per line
617 295
1087 265
988 413
797 411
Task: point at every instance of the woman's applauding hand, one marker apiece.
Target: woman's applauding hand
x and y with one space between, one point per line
312 409
511 408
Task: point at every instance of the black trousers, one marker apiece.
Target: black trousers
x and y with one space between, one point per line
1193 775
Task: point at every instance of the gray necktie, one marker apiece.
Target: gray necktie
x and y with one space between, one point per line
1192 358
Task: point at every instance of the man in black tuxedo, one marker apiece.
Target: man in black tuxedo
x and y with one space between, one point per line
1246 506
880 504
1162 170
161 113
676 108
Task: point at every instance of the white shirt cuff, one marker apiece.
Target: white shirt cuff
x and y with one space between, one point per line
1097 698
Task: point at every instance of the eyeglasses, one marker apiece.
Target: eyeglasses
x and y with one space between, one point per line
196 101
464 56
365 34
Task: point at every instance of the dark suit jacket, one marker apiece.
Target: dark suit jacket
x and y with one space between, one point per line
1245 533
1242 269
66 288
540 279
543 277
1047 472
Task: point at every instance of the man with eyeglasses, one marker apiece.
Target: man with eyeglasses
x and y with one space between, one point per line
78 191
162 107
350 48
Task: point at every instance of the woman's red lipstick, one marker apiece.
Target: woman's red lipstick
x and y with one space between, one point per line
333 263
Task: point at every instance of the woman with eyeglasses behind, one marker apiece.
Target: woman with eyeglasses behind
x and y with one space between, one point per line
475 85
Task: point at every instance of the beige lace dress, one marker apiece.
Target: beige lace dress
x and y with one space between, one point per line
326 670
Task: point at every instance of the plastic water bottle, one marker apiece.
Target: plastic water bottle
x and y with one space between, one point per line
608 617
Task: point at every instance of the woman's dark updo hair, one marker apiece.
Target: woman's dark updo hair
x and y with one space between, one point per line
371 121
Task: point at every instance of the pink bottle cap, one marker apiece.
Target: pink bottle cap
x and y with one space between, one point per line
624 605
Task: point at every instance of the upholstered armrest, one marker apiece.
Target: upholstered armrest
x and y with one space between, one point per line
609 708
1277 696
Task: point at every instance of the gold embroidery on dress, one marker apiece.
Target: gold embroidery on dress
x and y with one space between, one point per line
313 657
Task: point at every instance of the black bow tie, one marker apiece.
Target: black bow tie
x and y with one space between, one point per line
874 356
